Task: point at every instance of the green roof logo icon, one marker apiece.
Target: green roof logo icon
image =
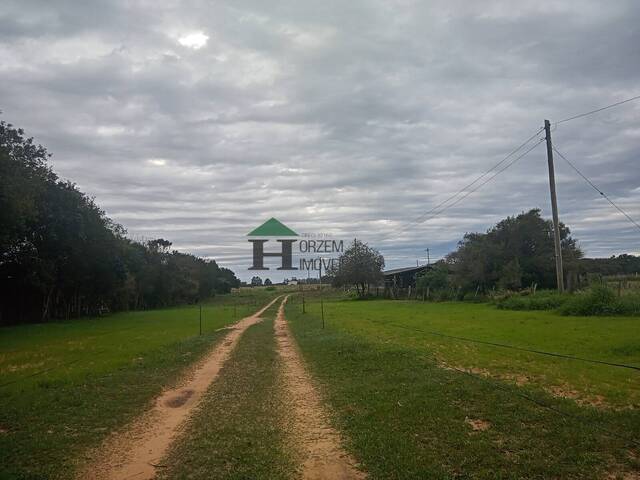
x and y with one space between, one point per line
272 228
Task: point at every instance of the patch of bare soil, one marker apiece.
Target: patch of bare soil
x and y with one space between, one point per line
477 371
477 425
558 391
565 391
623 476
319 444
134 452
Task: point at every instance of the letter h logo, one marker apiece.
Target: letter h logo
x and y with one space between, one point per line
272 228
259 254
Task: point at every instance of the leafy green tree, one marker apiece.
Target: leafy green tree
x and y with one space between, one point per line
518 251
359 266
61 256
434 279
510 277
624 264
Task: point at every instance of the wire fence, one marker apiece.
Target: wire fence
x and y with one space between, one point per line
529 397
238 309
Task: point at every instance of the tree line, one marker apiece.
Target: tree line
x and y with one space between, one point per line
62 257
518 253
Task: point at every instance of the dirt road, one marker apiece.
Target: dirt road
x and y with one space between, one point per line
136 451
320 444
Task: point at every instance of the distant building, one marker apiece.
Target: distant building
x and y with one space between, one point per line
403 277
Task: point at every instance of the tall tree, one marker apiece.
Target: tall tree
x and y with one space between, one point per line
518 251
434 279
359 266
61 256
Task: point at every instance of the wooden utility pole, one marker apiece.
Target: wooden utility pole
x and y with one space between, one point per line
554 208
321 302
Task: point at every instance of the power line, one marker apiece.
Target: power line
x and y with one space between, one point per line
540 403
545 405
46 370
591 112
513 162
513 152
70 362
513 347
423 217
595 187
597 110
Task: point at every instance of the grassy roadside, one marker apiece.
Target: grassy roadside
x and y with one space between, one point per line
237 431
404 417
67 385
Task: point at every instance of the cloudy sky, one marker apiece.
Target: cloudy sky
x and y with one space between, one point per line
197 120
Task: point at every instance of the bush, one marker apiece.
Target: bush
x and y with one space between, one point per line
542 300
598 300
497 296
629 304
473 298
270 288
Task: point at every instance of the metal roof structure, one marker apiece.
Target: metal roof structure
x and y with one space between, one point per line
404 269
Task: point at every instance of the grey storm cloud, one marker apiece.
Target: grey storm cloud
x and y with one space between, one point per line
196 121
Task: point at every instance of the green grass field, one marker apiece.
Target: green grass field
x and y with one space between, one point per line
409 400
66 385
414 325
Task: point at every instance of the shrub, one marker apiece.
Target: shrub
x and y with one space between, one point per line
542 300
497 296
445 295
353 294
629 304
598 300
472 297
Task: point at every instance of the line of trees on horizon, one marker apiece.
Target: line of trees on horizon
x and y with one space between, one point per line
62 257
515 254
518 253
